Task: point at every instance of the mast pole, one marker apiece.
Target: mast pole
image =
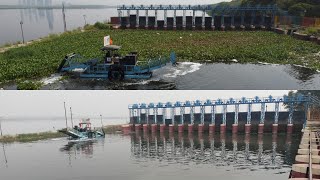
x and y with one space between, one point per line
71 117
64 18
101 121
1 129
65 114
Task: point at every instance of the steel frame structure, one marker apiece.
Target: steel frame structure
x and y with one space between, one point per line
191 105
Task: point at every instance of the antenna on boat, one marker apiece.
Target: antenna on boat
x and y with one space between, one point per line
71 117
65 114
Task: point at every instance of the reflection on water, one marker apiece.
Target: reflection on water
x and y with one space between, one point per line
37 14
301 73
82 148
242 152
255 76
140 156
5 155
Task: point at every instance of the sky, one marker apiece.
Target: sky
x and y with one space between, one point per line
29 104
114 2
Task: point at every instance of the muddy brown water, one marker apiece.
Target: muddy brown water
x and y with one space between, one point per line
159 156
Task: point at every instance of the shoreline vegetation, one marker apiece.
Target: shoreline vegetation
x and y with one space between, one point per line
40 58
31 137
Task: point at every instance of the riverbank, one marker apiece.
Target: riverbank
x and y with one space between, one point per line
41 58
29 137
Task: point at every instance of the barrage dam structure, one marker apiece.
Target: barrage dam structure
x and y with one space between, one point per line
198 17
221 115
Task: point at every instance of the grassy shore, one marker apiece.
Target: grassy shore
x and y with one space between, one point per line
109 129
30 137
112 129
41 58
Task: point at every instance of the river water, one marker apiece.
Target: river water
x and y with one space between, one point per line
210 76
42 22
12 126
139 156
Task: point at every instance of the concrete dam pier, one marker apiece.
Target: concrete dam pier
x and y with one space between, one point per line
192 116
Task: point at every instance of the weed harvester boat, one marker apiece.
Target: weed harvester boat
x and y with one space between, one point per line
113 66
84 131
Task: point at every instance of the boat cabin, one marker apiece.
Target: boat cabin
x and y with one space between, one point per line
84 126
113 57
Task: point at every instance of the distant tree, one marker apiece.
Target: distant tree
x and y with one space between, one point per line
256 2
300 106
309 8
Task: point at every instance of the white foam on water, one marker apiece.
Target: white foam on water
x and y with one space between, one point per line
183 68
52 79
143 82
56 139
298 65
169 71
265 63
78 70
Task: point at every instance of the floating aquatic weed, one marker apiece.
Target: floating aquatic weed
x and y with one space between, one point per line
40 59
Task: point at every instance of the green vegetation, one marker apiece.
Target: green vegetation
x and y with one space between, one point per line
100 25
109 129
6 45
29 85
112 129
312 31
42 58
30 137
309 8
301 106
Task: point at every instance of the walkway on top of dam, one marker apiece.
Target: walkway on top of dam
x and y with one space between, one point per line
307 161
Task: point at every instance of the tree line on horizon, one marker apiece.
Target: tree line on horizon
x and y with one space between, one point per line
308 8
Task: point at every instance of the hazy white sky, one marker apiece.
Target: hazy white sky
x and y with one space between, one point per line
108 103
114 2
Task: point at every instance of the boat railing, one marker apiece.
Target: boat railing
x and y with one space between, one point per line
154 63
74 131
